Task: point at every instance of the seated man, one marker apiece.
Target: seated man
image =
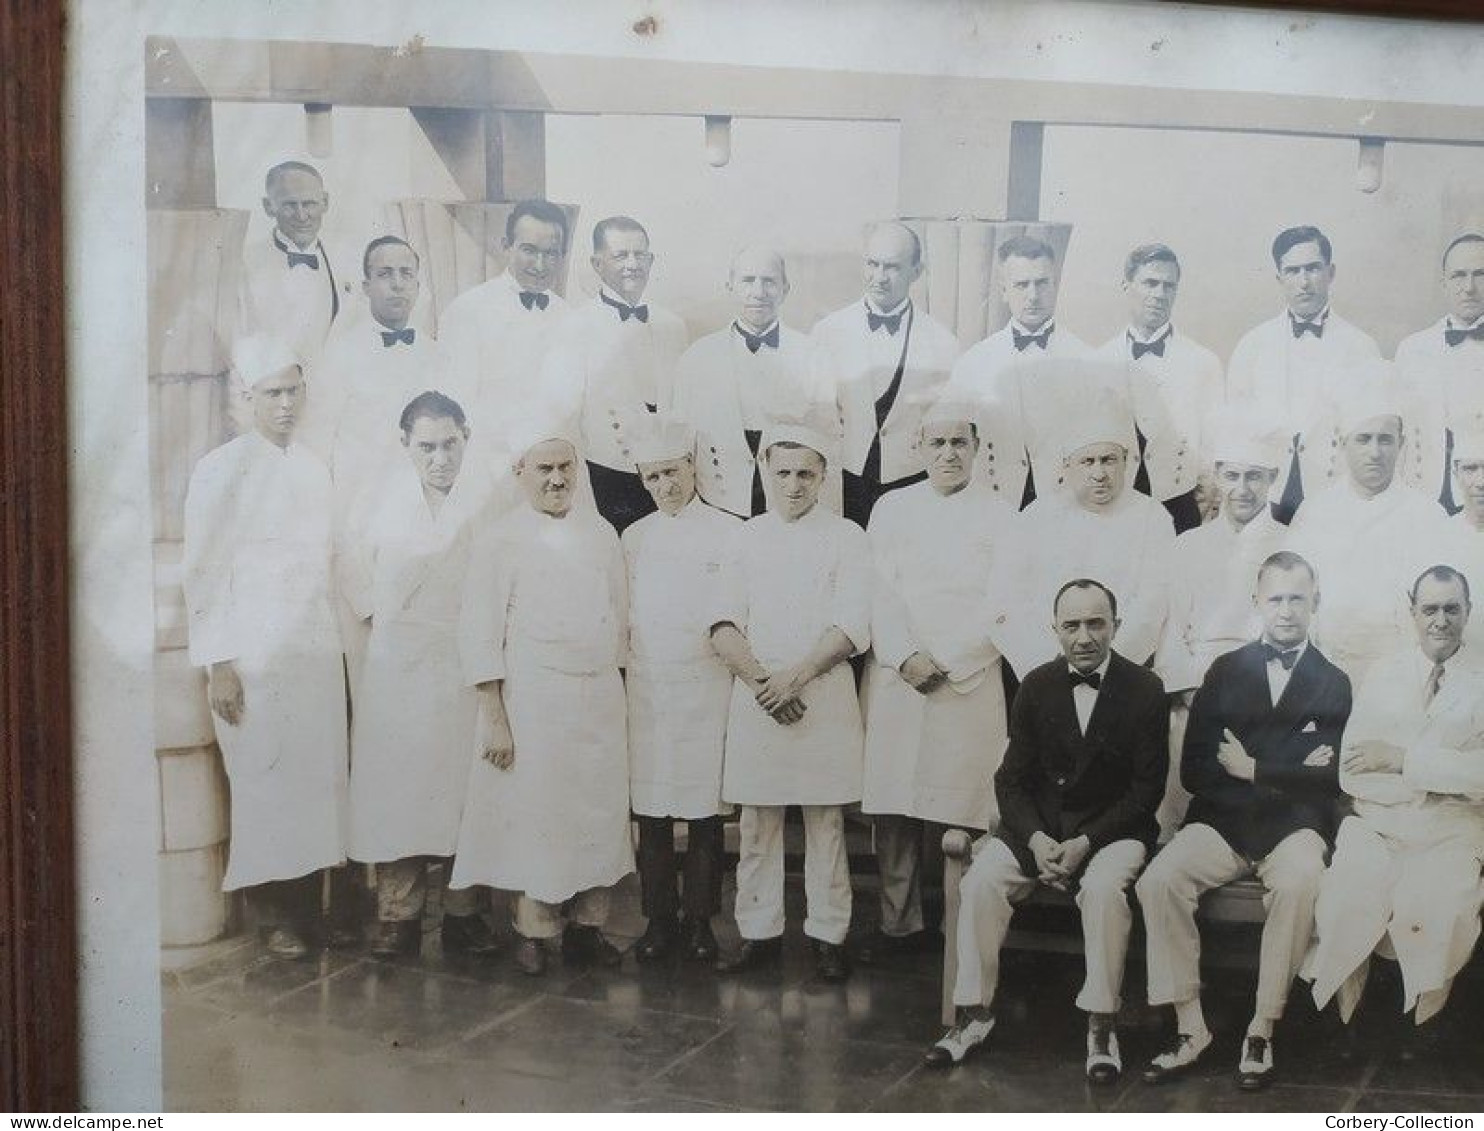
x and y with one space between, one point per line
1077 791
1259 762
1406 863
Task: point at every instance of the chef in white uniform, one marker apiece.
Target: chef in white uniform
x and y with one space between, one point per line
413 725
1405 870
678 561
1173 382
1213 575
1443 365
1296 367
614 366
258 543
542 639
732 385
1368 534
1092 524
933 698
882 362
800 607
1002 375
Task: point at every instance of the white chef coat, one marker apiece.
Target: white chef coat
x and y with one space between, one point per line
678 688
793 582
934 756
1446 388
257 587
295 304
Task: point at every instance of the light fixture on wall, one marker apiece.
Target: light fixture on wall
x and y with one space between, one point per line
1368 167
319 129
718 139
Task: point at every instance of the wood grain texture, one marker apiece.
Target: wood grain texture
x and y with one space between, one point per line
38 950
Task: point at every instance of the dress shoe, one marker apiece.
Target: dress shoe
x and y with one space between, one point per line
1178 1059
588 947
880 947
829 962
468 934
756 954
1255 1070
530 957
392 939
286 943
657 941
958 1042
1104 1063
700 943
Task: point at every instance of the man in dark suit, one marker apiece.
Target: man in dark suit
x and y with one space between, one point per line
1260 763
1078 788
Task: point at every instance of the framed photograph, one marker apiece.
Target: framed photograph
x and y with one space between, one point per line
329 190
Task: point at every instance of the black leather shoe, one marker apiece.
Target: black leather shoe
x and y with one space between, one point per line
657 941
700 942
1179 1058
530 957
285 943
1255 1071
391 939
756 954
468 934
588 947
829 962
881 947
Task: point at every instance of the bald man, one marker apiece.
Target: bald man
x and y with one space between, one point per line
882 361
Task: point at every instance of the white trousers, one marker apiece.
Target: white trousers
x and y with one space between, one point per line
760 873
1424 896
402 890
1198 859
995 882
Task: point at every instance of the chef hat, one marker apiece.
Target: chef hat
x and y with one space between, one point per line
951 411
664 438
524 432
1468 437
803 433
1097 416
1236 435
258 356
1368 391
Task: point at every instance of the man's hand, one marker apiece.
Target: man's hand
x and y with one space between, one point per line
224 692
1234 758
1373 756
781 686
1074 854
496 743
1047 854
1320 756
922 672
789 713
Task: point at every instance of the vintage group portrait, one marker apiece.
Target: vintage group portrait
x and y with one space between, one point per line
680 579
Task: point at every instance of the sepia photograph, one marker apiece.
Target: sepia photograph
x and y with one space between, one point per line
882 557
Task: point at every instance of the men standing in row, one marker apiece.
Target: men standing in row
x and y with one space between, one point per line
414 716
933 699
679 561
882 363
1296 366
547 812
258 544
800 608
1260 762
1173 381
614 366
733 385
1406 863
1077 791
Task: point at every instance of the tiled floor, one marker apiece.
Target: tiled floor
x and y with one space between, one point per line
350 1032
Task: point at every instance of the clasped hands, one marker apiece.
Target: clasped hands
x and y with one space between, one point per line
1058 861
1239 764
779 692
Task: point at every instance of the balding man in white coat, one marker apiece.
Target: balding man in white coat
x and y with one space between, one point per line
1406 862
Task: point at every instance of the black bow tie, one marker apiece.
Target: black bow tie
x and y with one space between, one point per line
302 259
756 342
1302 328
1093 680
390 338
1458 337
1024 341
625 311
1156 347
892 322
534 299
1285 656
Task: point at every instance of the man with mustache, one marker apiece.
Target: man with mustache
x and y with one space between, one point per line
544 624
1297 366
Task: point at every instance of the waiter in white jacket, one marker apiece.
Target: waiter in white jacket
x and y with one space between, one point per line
882 361
414 717
678 560
1406 863
732 385
258 593
933 698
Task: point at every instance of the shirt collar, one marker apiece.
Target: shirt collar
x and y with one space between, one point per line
1318 320
1302 648
1452 323
1165 331
1101 671
603 290
1044 327
738 324
901 306
286 244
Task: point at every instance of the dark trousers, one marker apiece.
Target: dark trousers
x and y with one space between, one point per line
659 895
620 495
296 903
